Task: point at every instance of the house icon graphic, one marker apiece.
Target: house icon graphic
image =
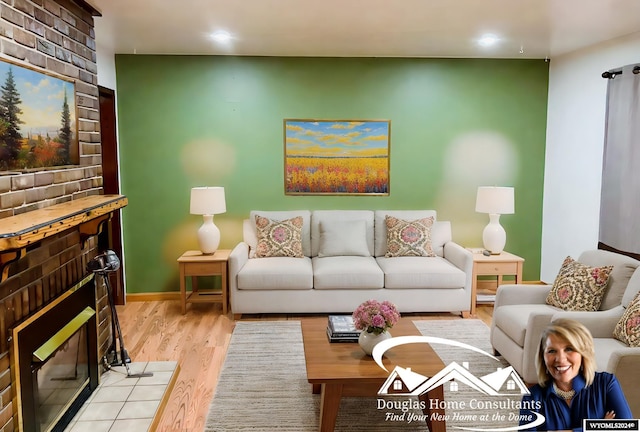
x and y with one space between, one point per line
405 382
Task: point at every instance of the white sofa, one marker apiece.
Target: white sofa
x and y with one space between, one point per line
338 284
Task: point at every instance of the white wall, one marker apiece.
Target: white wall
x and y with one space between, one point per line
575 142
105 57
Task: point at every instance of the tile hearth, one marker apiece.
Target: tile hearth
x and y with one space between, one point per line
122 404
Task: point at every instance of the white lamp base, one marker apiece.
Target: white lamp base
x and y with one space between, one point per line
494 236
208 236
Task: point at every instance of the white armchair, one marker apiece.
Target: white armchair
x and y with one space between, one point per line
521 313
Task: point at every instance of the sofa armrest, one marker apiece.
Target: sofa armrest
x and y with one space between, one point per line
599 323
521 294
237 259
461 258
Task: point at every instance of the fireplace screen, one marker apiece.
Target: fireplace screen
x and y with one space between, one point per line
61 378
55 359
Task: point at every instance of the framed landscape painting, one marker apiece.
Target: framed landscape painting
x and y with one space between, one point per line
336 157
37 119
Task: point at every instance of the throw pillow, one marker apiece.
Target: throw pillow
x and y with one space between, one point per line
279 238
409 238
627 330
579 287
343 238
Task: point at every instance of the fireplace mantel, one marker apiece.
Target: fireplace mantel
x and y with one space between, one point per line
87 214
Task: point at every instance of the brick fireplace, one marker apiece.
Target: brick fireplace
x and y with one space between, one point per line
43 256
47 254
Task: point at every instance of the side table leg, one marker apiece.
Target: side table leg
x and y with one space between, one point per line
183 290
330 402
225 292
474 291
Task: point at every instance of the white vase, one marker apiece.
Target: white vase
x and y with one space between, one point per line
368 340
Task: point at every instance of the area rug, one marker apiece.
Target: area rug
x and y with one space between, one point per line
263 386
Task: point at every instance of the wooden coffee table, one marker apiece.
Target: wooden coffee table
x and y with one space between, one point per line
343 369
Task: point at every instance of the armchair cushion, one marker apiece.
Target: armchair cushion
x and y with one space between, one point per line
579 287
627 329
514 319
623 269
632 289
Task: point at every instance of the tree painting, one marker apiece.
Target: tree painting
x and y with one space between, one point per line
37 120
336 157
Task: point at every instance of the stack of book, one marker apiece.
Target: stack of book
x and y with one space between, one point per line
340 328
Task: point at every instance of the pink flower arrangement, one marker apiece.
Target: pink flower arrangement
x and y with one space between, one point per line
375 317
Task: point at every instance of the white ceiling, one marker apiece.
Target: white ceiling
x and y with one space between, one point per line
363 28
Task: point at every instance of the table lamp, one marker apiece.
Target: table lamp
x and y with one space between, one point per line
207 201
494 201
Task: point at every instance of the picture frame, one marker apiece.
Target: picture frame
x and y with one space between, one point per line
38 119
336 157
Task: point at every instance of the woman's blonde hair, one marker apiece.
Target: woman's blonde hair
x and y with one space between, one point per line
577 336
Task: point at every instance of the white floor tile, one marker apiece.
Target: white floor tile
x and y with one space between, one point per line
91 426
102 411
131 425
147 393
138 410
112 394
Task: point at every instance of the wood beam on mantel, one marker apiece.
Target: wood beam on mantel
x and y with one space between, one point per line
20 231
86 5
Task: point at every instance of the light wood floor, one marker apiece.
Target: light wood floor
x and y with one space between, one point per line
198 341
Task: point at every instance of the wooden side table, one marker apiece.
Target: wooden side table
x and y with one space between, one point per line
493 265
195 263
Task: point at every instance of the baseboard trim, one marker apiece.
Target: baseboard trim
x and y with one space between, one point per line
158 296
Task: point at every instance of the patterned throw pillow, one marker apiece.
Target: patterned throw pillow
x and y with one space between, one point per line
628 328
579 287
408 238
279 238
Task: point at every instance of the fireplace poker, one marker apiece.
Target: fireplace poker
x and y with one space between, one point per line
103 264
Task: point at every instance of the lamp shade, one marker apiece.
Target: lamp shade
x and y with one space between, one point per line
208 200
495 200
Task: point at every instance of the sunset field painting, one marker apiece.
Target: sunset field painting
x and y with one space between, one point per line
338 157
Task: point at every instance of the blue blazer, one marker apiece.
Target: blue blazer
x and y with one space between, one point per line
590 402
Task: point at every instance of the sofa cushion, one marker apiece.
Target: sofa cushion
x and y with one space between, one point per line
513 319
279 216
627 329
279 238
440 231
280 273
623 269
409 238
327 217
350 272
579 287
420 272
343 238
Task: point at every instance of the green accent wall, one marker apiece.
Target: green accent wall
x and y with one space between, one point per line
456 124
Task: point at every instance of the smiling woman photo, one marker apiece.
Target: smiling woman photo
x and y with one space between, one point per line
569 389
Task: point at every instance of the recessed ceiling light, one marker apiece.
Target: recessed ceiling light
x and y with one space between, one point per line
488 40
221 36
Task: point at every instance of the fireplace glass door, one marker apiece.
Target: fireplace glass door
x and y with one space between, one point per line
61 378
